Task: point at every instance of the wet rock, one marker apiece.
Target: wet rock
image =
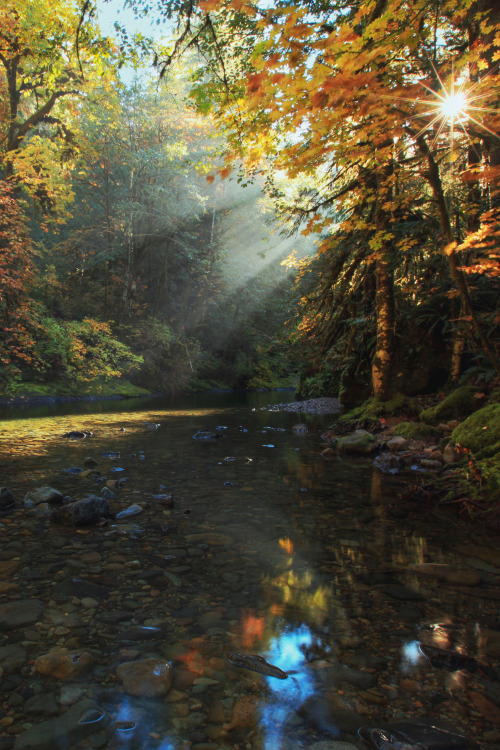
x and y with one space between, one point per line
132 510
142 633
398 591
397 443
43 495
332 745
389 463
63 665
85 512
300 429
206 435
6 498
362 680
19 613
89 462
425 736
78 434
148 678
12 658
70 694
244 714
447 573
80 588
153 425
450 454
360 441
486 708
329 717
453 661
8 568
80 721
108 494
43 704
73 470
490 641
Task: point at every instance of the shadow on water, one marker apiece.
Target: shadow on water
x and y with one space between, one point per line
274 605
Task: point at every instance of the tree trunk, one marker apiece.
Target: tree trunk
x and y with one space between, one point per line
384 299
456 272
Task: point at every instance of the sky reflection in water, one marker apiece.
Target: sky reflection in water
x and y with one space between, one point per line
286 651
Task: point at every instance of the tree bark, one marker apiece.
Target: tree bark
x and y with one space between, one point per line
384 298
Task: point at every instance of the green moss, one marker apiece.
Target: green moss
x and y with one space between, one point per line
116 387
494 397
458 404
416 430
368 414
480 433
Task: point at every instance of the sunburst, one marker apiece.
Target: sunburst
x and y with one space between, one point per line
456 103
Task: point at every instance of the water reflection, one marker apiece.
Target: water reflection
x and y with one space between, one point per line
286 651
304 562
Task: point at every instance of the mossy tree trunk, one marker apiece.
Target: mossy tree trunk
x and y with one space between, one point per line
384 298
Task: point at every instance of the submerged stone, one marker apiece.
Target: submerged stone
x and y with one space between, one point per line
85 512
21 612
65 731
415 734
149 678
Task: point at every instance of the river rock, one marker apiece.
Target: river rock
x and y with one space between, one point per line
244 714
85 512
329 717
362 680
397 443
148 678
404 593
132 510
332 745
447 573
19 613
6 498
413 734
80 721
43 704
486 708
63 665
389 463
360 441
489 641
300 429
8 568
12 658
43 495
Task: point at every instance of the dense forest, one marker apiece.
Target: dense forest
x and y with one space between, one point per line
305 193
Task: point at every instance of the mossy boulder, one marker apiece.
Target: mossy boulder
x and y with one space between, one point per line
416 431
456 405
480 433
359 441
369 413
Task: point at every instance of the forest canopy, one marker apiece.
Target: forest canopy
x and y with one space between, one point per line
366 130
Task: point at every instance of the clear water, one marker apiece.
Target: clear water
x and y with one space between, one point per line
269 550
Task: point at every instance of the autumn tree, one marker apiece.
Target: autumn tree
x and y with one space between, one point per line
361 96
50 55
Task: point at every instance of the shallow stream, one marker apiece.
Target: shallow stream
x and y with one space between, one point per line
280 602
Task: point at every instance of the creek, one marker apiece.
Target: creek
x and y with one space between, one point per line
262 597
